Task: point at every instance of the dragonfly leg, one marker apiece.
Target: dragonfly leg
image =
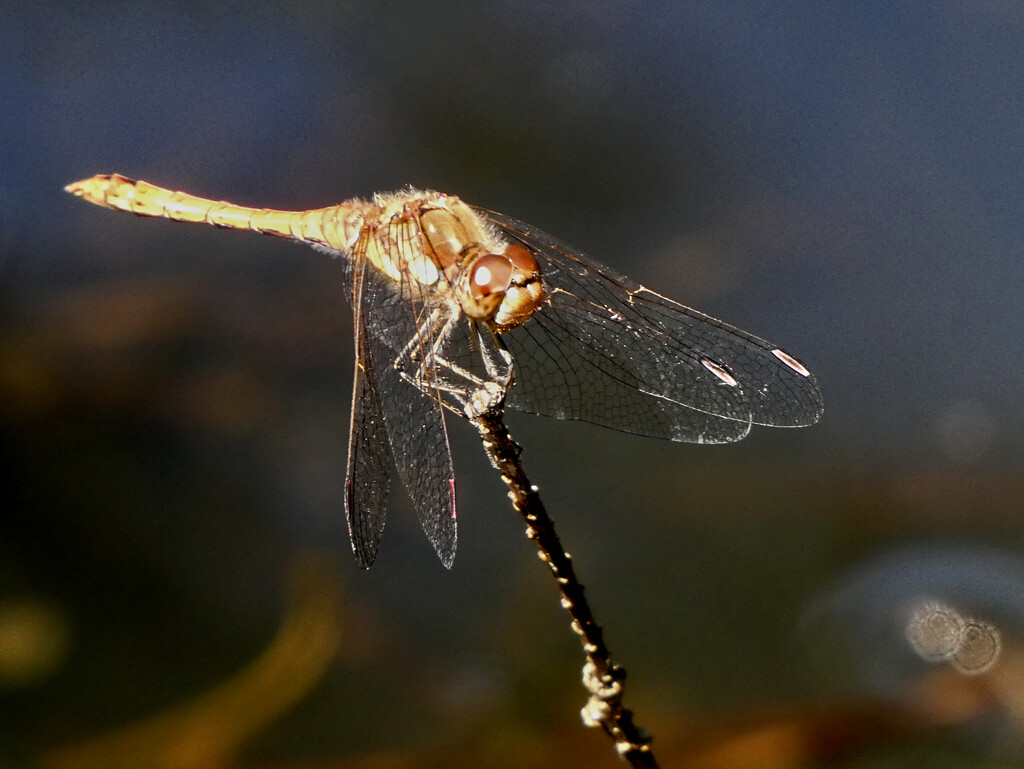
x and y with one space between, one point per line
498 371
420 366
496 360
426 365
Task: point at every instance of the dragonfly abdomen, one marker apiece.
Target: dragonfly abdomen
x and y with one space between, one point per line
335 226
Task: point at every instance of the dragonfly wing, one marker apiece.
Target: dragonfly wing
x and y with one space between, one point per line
414 420
571 365
369 450
607 350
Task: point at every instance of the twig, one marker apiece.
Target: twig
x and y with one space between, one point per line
602 678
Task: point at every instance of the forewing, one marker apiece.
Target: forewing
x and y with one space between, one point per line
414 420
605 349
369 450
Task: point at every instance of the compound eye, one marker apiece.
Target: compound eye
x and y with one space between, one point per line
489 274
522 259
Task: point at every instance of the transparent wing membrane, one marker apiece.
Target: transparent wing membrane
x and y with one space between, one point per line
605 349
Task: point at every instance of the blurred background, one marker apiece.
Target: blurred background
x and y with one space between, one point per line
176 582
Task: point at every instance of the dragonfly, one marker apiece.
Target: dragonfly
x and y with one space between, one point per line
448 297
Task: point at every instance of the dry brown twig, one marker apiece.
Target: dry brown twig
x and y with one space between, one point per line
602 677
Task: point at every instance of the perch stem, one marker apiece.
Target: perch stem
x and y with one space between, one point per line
602 677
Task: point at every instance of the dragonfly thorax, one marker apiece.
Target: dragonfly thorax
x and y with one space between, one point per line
445 236
441 244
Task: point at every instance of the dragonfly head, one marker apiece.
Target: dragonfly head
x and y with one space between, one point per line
502 288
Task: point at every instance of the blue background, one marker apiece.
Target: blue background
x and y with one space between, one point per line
845 180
